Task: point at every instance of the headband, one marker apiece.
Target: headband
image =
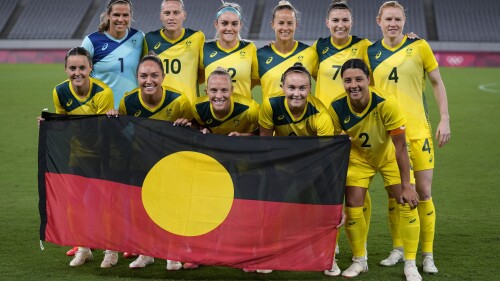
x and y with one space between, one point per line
228 9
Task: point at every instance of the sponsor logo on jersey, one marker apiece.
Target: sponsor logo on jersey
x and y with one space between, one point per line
157 45
269 60
430 159
137 113
378 54
213 54
209 121
325 50
392 209
281 117
105 46
352 223
413 220
347 119
69 103
430 213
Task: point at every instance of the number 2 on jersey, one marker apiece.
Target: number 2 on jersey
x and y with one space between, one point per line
365 142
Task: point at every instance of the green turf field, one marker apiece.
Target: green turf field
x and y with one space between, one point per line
466 191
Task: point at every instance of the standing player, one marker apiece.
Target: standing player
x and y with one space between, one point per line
399 65
178 48
238 56
332 52
278 56
155 101
81 95
376 126
116 48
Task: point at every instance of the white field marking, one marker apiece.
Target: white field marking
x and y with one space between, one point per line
488 87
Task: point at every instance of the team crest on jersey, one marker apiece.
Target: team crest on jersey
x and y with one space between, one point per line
325 50
281 117
378 55
137 113
409 51
134 42
269 60
236 122
243 54
169 111
209 121
300 58
188 44
158 45
375 115
354 50
69 103
213 54
105 46
347 119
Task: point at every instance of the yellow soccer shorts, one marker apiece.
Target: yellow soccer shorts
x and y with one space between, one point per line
360 173
422 154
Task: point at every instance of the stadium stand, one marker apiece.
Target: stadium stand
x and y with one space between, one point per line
6 9
59 20
468 21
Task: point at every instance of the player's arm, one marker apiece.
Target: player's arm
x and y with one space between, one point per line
266 124
443 132
408 193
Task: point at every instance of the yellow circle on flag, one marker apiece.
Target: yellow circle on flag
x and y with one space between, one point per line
188 193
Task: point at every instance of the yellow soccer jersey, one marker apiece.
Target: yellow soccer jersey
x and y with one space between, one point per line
400 71
242 118
329 85
173 106
240 61
98 101
369 130
315 121
180 59
272 64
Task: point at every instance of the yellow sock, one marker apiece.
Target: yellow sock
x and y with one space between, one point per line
427 214
367 212
355 228
393 212
409 227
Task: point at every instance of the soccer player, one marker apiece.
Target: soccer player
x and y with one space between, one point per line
284 52
295 112
178 48
228 50
156 101
399 65
332 52
81 94
376 125
116 48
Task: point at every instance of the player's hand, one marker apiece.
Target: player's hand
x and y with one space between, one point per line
342 220
205 131
112 113
443 133
412 35
182 122
38 120
410 196
234 134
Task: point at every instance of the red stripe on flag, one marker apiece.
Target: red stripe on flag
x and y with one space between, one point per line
256 234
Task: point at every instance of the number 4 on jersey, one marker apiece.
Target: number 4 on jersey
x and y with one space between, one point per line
394 75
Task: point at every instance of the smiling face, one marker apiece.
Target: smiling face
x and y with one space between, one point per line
119 19
296 87
356 84
339 22
172 16
218 90
150 76
391 22
284 25
228 27
78 70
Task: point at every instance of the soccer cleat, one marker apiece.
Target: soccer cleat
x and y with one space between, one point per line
128 255
71 252
428 265
394 257
110 259
358 266
82 255
173 265
190 265
334 271
248 270
265 271
411 271
141 262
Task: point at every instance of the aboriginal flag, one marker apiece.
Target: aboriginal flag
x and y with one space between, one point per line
145 186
